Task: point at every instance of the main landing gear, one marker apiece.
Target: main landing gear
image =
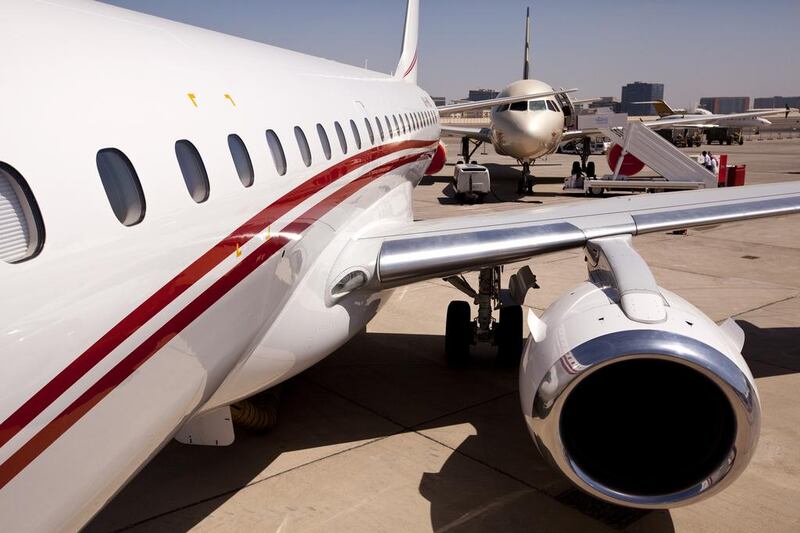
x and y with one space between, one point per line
462 332
527 180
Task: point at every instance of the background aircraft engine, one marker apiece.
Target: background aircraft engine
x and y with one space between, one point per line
631 165
438 161
651 411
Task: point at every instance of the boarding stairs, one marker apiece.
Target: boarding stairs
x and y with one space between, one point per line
675 167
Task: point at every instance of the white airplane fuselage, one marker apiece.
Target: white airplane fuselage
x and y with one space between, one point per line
527 134
113 336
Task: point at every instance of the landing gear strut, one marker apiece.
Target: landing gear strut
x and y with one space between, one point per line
461 332
467 148
527 180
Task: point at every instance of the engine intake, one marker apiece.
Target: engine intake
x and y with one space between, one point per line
643 413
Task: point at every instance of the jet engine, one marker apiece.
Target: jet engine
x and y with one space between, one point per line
633 393
438 161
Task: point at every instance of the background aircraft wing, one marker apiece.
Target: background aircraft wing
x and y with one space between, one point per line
479 134
693 119
409 252
483 104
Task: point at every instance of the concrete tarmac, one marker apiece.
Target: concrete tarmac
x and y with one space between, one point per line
383 436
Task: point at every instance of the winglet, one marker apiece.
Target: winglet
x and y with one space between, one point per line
407 66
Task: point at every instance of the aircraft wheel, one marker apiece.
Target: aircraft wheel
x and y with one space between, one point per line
457 333
509 335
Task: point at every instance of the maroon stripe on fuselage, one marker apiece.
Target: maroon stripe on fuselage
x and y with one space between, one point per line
180 283
54 429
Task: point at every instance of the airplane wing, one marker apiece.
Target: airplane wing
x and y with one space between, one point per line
409 252
694 119
483 104
479 134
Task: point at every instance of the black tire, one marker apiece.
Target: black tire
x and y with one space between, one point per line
460 197
509 335
741 142
728 142
457 333
480 198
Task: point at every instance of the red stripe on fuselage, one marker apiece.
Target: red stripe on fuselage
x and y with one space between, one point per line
67 418
180 283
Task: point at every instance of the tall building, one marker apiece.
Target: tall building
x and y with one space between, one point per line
777 101
476 95
725 104
439 101
639 91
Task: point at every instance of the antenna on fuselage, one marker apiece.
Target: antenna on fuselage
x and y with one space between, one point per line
526 71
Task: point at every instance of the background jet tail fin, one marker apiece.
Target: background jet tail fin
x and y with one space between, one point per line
526 68
407 66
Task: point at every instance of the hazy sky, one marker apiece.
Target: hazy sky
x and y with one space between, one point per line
695 47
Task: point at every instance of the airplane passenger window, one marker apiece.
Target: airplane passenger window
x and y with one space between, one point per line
369 131
241 160
396 125
302 143
356 134
323 140
122 186
342 138
380 128
415 120
21 225
276 149
519 106
389 127
402 124
537 105
193 170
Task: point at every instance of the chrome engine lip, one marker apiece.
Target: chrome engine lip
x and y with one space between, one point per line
570 369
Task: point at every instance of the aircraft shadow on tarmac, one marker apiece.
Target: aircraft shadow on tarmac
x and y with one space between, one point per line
379 385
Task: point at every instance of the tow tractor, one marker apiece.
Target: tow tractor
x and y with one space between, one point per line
724 135
471 182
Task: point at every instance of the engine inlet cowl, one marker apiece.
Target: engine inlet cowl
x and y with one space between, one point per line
647 418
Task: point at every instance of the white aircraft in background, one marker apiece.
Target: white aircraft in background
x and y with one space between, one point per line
528 131
188 218
746 119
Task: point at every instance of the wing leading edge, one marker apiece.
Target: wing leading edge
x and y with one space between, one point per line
429 249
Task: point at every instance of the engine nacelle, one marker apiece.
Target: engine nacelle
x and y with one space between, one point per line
438 161
634 394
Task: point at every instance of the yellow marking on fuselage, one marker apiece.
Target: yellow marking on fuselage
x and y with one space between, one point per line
193 98
229 97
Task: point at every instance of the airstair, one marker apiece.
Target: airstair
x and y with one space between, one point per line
660 155
676 170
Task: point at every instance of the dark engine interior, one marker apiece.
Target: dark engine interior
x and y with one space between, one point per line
647 426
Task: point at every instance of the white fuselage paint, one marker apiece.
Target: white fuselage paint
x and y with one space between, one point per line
526 135
85 76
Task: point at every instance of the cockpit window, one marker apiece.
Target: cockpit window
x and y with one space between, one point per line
519 106
502 108
537 105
